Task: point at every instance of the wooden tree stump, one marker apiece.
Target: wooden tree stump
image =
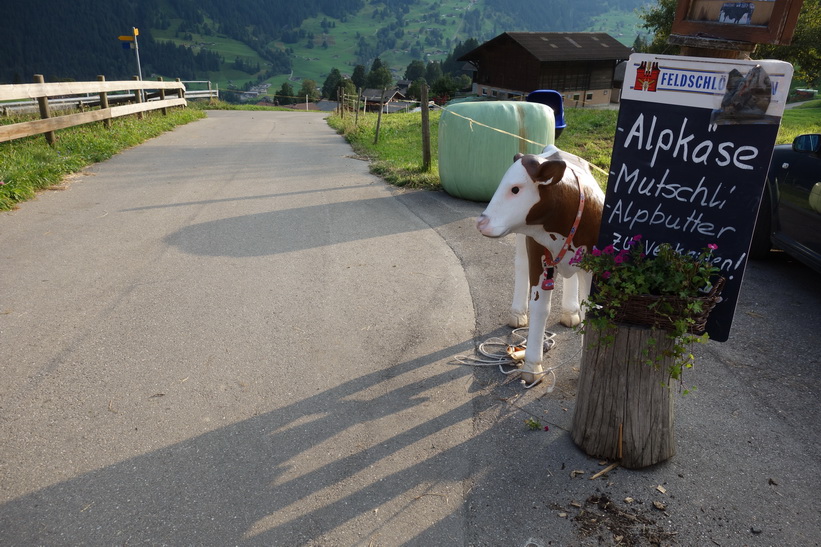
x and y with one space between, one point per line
624 406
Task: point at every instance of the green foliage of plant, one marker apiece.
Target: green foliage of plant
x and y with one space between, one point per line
630 272
30 164
533 424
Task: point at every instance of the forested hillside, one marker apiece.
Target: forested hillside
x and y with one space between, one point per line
252 41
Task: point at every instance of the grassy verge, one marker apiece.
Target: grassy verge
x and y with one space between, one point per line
30 164
589 134
222 105
800 120
398 156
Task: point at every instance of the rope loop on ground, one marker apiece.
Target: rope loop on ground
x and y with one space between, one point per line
499 352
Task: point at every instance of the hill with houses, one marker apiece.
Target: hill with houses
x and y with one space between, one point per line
267 42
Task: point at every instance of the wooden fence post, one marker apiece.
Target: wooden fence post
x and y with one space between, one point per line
358 96
104 102
162 97
138 97
181 91
379 117
425 129
45 111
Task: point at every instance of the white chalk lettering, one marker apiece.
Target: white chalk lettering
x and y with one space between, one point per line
701 194
681 144
651 248
627 213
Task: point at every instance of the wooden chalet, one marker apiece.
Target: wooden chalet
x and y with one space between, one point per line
579 65
393 99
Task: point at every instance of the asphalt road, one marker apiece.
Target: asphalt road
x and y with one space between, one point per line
234 335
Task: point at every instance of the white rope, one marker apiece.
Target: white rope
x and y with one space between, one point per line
509 355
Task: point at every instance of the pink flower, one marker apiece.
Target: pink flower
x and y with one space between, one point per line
596 252
712 246
606 275
637 237
609 250
619 259
546 428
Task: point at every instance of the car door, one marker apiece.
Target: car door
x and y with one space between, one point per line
799 204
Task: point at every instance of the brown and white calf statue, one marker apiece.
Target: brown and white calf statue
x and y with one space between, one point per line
554 206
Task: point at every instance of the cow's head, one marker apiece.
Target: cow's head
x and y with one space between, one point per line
518 193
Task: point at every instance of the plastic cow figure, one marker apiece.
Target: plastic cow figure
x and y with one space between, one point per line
554 205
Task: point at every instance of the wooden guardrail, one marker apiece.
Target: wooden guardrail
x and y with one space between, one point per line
48 124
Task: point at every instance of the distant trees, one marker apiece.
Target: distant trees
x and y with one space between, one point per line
285 95
451 65
415 70
334 82
446 78
331 84
379 77
658 19
803 53
433 71
359 77
309 90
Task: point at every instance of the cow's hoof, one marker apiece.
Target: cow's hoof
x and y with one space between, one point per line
571 319
517 320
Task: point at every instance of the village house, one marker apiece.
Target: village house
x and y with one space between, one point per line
581 66
394 100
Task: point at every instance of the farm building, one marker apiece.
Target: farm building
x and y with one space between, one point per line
579 65
394 99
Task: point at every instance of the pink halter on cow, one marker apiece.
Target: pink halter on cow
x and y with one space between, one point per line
554 205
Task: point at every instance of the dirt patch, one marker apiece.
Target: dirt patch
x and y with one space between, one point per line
629 525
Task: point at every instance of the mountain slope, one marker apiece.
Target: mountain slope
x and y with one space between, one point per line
239 43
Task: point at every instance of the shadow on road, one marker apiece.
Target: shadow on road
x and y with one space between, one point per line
238 484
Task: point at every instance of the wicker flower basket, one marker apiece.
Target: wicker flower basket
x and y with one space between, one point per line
661 311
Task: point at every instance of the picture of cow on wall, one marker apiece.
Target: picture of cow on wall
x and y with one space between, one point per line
739 13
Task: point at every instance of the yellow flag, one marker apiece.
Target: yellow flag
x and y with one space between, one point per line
136 31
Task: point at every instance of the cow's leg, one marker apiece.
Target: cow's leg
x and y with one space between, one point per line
521 284
571 310
539 310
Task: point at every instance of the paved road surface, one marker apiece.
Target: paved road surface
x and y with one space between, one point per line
233 334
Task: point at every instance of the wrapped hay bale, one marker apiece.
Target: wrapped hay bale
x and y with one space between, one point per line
473 158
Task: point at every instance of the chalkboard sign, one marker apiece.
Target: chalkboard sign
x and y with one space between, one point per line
693 144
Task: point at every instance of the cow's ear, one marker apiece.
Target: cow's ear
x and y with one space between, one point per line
542 170
517 157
